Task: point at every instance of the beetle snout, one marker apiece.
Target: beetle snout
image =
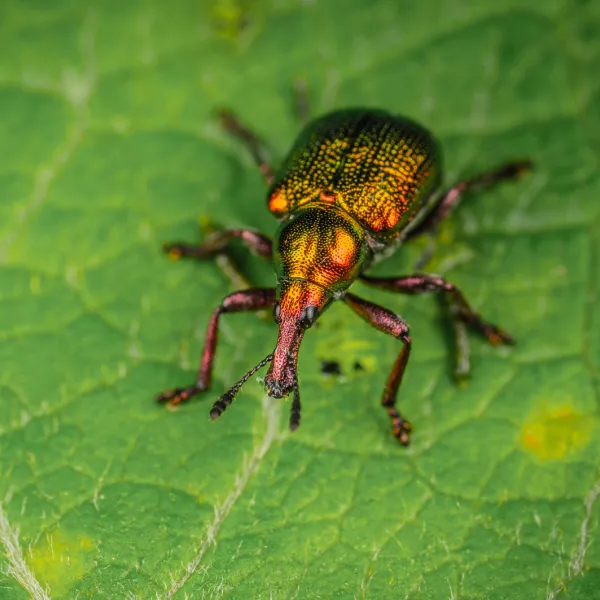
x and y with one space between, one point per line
282 379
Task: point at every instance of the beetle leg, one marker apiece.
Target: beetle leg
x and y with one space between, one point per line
216 243
301 102
386 321
231 123
246 300
448 201
461 313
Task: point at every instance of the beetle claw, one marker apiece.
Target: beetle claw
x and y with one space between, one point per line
173 250
518 168
177 250
497 337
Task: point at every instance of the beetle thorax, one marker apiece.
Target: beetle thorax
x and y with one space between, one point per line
322 245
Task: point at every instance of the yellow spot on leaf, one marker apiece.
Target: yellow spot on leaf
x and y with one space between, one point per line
554 433
231 17
60 560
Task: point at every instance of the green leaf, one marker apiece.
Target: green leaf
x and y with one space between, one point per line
110 146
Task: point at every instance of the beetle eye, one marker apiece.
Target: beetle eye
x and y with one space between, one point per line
276 312
308 316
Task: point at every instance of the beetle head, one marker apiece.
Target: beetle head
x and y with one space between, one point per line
319 251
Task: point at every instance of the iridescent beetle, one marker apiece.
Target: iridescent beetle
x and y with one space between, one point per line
355 186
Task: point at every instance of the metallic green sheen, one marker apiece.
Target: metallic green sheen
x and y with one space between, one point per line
380 168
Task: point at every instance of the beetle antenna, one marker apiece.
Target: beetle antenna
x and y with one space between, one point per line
227 398
296 407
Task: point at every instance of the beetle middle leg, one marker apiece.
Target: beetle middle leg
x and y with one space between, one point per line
216 243
449 200
461 312
386 321
301 102
245 300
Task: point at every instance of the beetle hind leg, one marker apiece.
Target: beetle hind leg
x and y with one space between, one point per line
233 125
301 101
450 199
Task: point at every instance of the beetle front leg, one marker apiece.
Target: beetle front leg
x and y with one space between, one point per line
246 300
460 311
217 242
390 323
449 200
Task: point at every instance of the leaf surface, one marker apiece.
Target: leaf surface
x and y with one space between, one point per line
110 146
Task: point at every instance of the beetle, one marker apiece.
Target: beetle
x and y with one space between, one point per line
356 185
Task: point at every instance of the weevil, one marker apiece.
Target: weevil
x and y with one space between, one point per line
356 185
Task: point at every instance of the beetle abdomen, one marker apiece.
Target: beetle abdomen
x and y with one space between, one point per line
377 167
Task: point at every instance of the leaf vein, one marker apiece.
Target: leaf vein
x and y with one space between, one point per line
14 555
249 469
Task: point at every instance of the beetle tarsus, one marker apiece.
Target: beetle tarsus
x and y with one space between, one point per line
511 170
515 169
178 395
498 337
401 428
177 250
494 334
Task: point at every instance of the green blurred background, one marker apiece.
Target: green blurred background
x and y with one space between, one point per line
109 146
